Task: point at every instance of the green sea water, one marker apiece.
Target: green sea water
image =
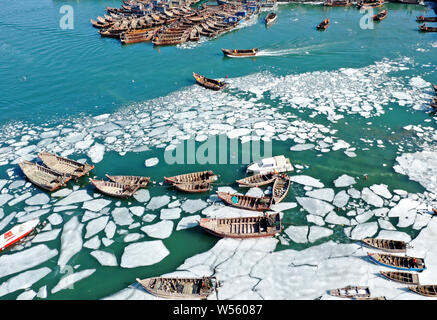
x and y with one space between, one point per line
53 77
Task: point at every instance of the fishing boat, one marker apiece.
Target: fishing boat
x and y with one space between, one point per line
240 53
132 180
257 180
370 298
429 290
426 19
209 83
196 187
386 244
280 188
435 88
424 28
17 233
180 288
65 166
380 16
201 176
351 292
271 18
114 189
245 202
398 262
402 277
137 36
243 227
43 177
337 3
323 25
369 4
274 164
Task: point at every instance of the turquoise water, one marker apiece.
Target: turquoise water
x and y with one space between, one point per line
54 78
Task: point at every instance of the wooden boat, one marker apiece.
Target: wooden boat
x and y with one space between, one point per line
240 53
370 298
245 202
180 288
136 37
398 262
426 19
323 25
209 83
43 177
386 244
271 18
132 180
370 4
99 25
243 227
257 180
351 292
380 16
114 189
196 187
424 28
429 290
201 176
435 88
402 277
280 188
17 233
337 3
65 166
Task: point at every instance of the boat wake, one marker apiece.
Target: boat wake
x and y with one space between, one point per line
285 52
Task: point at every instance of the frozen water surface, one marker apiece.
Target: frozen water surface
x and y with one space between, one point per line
133 255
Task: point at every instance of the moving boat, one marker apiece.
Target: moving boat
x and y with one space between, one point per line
424 28
18 232
43 177
274 164
195 187
323 25
402 277
426 19
429 290
243 227
380 16
386 245
257 180
114 189
280 188
398 262
240 53
209 83
133 180
351 292
201 176
65 166
180 288
271 18
245 202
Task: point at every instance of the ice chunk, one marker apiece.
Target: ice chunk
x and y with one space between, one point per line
62 193
394 235
130 237
55 219
297 234
23 280
42 292
192 206
188 222
71 240
142 195
96 152
95 205
46 236
344 181
95 226
364 230
137 211
381 190
361 218
315 219
70 279
122 216
302 147
38 199
110 229
93 243
168 214
283 206
151 162
159 230
27 295
133 255
334 218
158 202
255 192
341 199
5 198
385 224
105 258
317 233
315 206
326 194
74 197
406 211
19 199
149 217
371 198
307 181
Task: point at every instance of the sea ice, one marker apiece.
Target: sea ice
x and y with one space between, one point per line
71 240
307 181
188 222
302 147
38 199
142 195
55 219
23 280
93 243
160 230
371 198
74 197
105 258
137 210
192 206
158 202
315 206
364 230
341 199
344 181
95 205
67 281
317 233
122 216
168 214
282 206
133 255
151 162
381 190
46 236
297 234
95 226
96 152
325 194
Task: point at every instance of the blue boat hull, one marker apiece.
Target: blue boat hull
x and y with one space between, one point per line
394 267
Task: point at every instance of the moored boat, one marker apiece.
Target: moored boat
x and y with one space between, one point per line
201 176
195 187
271 18
435 87
257 180
43 177
398 262
243 227
133 180
245 202
386 244
426 19
337 3
380 16
235 53
370 4
424 28
274 164
17 233
114 189
323 25
402 277
209 83
429 290
351 292
280 188
65 166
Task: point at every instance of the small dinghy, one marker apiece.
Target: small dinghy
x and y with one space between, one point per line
275 164
245 202
257 180
386 245
19 232
235 53
180 288
425 290
402 277
243 227
209 83
201 176
351 292
280 188
114 189
323 25
196 187
43 177
271 18
65 166
398 262
380 16
133 180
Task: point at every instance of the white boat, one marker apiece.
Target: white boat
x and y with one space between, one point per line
17 233
268 165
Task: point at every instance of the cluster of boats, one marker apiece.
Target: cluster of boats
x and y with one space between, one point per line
433 103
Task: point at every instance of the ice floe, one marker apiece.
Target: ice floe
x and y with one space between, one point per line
133 255
95 226
68 281
160 230
188 222
344 181
95 205
71 240
315 206
307 181
325 194
192 206
104 258
23 280
158 202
